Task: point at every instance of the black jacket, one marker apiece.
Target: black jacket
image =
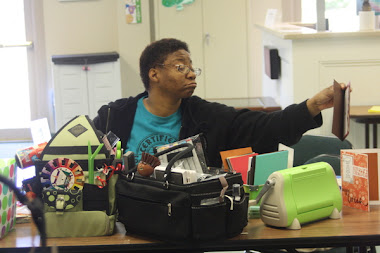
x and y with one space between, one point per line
223 127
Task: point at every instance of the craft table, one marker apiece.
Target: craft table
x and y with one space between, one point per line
361 115
355 228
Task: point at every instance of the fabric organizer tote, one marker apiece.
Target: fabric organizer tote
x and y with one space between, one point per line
162 209
75 177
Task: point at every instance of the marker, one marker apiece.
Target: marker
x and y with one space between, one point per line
91 158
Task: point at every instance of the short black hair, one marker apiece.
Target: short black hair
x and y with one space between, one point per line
156 53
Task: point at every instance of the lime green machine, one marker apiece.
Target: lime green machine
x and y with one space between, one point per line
299 195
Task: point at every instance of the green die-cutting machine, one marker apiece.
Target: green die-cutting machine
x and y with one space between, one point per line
299 195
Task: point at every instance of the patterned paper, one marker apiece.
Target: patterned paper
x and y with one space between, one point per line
7 197
355 187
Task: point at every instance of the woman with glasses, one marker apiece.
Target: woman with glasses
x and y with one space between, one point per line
167 111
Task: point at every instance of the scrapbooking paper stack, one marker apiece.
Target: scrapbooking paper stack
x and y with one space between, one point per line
360 178
240 163
7 197
263 165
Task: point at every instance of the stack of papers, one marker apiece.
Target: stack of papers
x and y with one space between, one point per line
375 109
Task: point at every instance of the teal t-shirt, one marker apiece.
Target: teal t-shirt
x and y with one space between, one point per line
149 131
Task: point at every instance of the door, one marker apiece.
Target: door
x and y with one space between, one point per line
216 32
14 76
225 48
185 25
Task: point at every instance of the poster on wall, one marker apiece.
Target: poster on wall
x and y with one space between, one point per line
178 3
133 11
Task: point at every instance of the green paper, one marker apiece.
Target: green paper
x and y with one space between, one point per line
268 163
91 158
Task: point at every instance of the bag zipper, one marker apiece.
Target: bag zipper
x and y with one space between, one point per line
231 200
169 209
169 204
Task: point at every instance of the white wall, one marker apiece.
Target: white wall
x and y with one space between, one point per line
288 11
100 26
77 28
258 10
94 26
132 39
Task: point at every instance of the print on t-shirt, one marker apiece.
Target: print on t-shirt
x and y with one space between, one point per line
150 131
148 144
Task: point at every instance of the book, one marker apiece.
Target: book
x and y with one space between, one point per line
240 164
341 111
233 152
189 161
251 170
373 167
355 181
263 165
373 178
374 109
290 150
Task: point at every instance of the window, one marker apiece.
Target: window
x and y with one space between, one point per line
341 14
14 77
22 68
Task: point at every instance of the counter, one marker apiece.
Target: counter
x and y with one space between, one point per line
311 60
295 32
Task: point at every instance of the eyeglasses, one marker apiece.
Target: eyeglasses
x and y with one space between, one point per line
185 69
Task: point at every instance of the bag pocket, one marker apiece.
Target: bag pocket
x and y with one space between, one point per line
237 218
148 210
95 198
78 224
209 221
62 200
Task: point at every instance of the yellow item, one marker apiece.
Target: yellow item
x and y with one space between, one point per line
374 109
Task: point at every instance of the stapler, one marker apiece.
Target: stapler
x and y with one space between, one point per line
299 195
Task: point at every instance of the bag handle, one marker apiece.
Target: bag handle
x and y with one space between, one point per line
167 174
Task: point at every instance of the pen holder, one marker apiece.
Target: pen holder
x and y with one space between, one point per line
76 177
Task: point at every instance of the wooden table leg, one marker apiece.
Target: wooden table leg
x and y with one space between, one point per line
367 135
374 135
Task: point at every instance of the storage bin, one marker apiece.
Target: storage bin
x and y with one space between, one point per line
7 197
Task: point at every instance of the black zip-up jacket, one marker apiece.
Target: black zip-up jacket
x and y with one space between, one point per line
223 127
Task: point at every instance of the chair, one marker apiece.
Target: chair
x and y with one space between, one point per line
316 148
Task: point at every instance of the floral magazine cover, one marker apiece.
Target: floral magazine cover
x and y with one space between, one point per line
355 187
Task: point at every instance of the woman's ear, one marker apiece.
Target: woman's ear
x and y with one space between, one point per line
153 75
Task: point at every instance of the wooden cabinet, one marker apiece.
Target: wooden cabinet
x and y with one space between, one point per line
83 83
216 32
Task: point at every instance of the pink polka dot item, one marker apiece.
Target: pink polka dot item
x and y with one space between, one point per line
7 197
